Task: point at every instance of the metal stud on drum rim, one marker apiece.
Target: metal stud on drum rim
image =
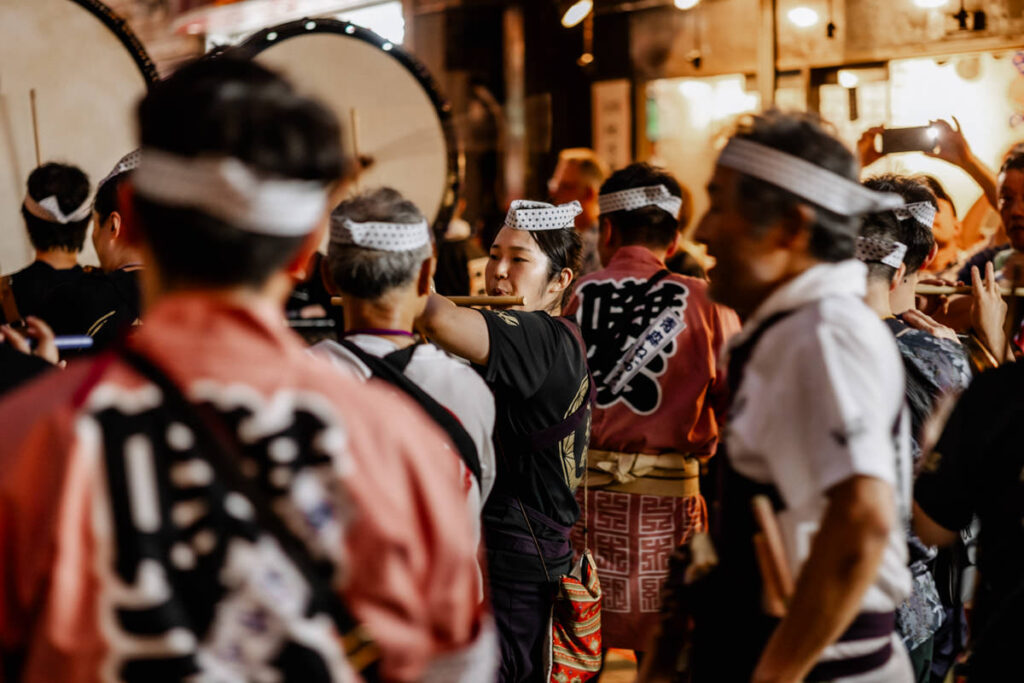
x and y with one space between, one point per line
447 186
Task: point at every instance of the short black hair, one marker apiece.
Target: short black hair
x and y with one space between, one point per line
105 202
228 106
937 189
649 225
807 137
1014 159
884 227
917 236
70 185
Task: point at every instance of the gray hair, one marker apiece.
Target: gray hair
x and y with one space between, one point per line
810 138
370 273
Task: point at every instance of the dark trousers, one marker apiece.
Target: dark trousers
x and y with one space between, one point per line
522 612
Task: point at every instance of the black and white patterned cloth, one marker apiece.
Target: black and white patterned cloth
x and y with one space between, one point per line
874 250
525 214
922 212
634 198
379 235
129 162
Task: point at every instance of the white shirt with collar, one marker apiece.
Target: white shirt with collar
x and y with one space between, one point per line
819 399
448 380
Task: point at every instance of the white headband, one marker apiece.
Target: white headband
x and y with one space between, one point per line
381 236
806 180
922 212
890 253
638 197
226 188
129 162
49 210
528 215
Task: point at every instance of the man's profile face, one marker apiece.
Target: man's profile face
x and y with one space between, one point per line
738 246
946 226
567 183
1011 206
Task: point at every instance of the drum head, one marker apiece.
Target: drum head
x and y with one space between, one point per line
401 120
88 71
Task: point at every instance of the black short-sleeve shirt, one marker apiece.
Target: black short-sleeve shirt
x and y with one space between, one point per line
538 373
99 304
34 283
978 468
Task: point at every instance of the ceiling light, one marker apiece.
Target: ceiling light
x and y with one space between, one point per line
687 4
848 79
930 4
577 13
803 17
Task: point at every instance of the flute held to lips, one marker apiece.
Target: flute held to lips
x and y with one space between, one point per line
929 290
495 301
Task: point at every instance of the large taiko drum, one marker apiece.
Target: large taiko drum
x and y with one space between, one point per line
71 73
390 109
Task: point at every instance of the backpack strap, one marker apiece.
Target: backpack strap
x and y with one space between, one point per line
391 370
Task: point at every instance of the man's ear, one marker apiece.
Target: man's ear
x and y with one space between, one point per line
426 276
673 246
932 253
607 233
298 266
328 280
897 278
796 225
130 229
115 224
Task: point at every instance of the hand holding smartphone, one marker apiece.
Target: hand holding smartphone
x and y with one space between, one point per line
914 139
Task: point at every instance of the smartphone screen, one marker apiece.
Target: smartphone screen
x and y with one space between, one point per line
916 139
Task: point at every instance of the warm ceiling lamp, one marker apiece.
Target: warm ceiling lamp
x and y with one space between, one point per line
687 4
848 79
577 13
803 17
930 4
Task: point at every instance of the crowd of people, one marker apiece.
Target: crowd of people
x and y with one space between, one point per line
776 455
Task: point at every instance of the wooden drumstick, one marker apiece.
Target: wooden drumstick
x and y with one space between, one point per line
1012 321
35 125
772 553
353 117
929 290
464 300
486 300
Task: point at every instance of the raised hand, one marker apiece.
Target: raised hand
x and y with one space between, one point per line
46 340
988 310
866 151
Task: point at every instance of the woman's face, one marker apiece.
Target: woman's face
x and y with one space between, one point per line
517 266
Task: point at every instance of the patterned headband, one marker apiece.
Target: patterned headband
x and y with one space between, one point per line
874 250
808 181
524 214
379 235
49 210
635 198
129 162
922 212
